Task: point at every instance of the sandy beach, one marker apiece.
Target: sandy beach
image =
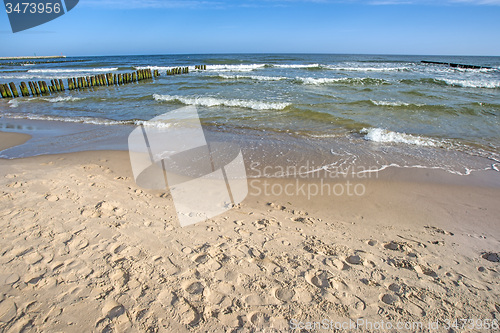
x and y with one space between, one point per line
84 249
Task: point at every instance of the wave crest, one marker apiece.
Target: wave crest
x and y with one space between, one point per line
385 136
212 101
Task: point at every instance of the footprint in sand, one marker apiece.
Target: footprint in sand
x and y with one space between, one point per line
389 298
228 276
253 300
354 259
396 246
33 258
421 269
319 280
51 198
112 309
259 319
8 311
490 256
213 296
284 294
185 312
194 288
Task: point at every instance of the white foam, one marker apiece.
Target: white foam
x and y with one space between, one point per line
385 136
298 66
88 120
159 68
235 68
149 123
324 81
13 103
62 99
37 76
73 70
370 69
253 77
492 84
85 120
389 103
212 101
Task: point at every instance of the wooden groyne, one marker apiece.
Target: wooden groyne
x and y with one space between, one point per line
451 64
42 88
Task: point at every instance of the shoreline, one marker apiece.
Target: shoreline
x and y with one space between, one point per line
275 152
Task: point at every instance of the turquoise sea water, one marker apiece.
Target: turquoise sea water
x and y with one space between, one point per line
335 109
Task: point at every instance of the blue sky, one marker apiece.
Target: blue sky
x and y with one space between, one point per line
120 27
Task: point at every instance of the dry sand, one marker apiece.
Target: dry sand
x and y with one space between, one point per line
83 249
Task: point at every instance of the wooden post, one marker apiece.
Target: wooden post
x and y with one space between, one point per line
61 85
70 84
37 89
40 85
120 79
134 77
14 89
7 90
24 89
56 84
32 88
2 91
47 91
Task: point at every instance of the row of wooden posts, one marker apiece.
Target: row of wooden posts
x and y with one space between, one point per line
201 67
38 88
178 70
42 88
